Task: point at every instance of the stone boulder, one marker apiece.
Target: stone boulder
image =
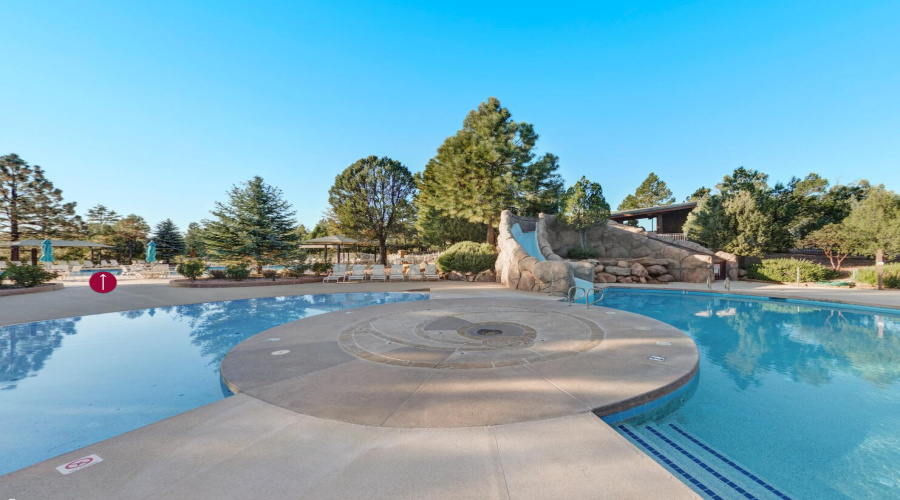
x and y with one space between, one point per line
665 278
623 263
604 278
598 268
618 270
455 276
656 270
608 262
638 270
742 272
625 279
486 276
583 270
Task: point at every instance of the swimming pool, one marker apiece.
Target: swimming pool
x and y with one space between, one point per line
794 399
68 383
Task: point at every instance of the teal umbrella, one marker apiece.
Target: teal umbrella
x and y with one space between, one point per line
151 252
47 251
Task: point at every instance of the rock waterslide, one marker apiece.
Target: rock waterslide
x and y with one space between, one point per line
533 250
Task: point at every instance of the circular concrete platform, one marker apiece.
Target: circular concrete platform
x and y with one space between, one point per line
462 362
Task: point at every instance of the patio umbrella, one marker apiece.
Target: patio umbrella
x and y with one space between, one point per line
151 252
46 251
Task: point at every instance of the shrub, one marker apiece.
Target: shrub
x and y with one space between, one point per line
295 270
579 252
320 268
237 272
890 276
270 274
191 269
468 257
786 270
28 276
217 274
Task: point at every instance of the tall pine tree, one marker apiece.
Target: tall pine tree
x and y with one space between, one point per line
169 242
255 223
373 198
651 193
485 168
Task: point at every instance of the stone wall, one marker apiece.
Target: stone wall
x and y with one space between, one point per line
627 255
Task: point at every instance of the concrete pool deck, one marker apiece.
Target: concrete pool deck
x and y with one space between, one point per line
244 447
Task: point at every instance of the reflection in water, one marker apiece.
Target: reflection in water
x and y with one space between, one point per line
69 383
25 348
807 396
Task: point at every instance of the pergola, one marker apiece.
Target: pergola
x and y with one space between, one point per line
332 241
35 244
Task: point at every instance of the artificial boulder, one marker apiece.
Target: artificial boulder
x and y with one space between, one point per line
486 276
638 270
665 278
656 270
618 270
604 278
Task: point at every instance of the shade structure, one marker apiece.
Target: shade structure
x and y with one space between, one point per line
332 240
151 252
55 243
46 251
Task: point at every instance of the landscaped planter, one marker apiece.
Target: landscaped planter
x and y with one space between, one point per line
213 283
49 287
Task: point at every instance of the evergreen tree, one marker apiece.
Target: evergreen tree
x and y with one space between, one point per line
875 222
255 223
29 203
169 242
651 193
483 169
699 194
584 206
128 237
541 188
373 198
194 241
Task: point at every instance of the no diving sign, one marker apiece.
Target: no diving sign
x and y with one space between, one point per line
78 464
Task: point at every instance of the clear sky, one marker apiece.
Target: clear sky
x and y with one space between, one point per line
157 108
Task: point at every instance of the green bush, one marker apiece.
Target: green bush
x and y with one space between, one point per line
468 257
191 269
217 274
578 252
237 272
270 274
890 277
319 268
295 270
27 276
786 270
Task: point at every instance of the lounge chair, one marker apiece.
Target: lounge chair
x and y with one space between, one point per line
431 273
129 272
338 274
65 273
397 273
415 273
113 263
2 265
104 263
357 273
378 273
88 264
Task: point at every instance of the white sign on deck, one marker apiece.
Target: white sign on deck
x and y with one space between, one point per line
78 464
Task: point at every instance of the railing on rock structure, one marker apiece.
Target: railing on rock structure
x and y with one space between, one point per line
670 236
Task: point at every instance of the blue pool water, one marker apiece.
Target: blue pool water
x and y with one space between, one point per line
69 383
797 399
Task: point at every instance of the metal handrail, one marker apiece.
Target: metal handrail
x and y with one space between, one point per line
602 295
709 282
728 283
570 298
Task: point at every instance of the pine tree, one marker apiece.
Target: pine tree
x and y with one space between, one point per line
256 223
373 198
478 172
584 206
169 242
651 193
29 203
128 237
541 188
195 243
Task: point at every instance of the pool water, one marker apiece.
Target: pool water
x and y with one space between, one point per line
792 399
68 383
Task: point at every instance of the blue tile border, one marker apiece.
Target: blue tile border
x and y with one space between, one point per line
702 464
735 466
672 465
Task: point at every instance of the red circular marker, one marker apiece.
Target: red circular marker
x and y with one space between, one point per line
103 282
81 462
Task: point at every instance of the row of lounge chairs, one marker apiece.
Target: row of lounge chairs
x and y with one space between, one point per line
67 265
340 273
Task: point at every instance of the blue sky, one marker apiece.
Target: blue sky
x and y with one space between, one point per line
157 108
